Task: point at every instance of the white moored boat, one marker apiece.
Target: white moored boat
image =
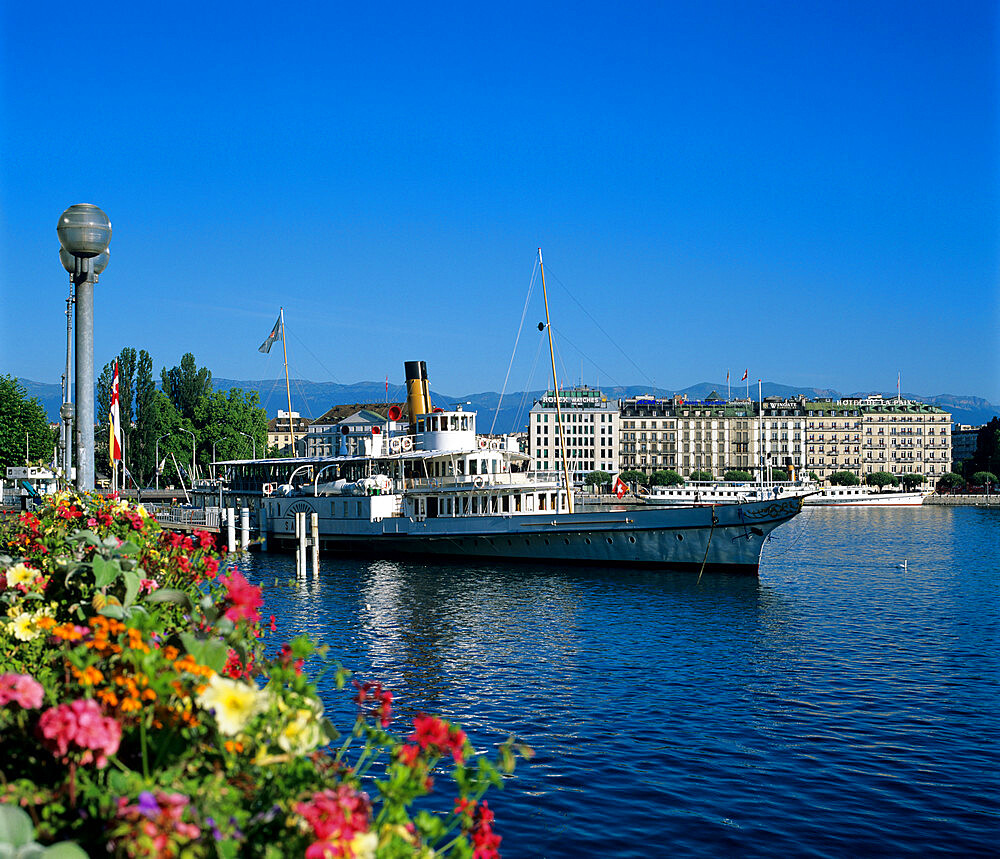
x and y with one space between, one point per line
440 490
707 493
865 496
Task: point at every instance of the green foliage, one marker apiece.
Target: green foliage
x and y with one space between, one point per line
844 478
779 474
987 456
22 419
633 476
911 480
814 477
881 479
186 384
223 418
597 478
198 745
666 477
981 478
950 481
701 475
737 476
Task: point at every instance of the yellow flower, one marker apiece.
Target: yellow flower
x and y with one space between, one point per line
301 733
19 574
233 702
141 510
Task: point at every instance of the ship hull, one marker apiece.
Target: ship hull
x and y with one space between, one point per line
726 538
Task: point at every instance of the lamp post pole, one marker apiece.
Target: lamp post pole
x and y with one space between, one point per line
156 465
84 232
253 441
193 460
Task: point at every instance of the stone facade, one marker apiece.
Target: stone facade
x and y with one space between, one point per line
591 431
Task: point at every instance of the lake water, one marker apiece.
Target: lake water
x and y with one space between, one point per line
838 704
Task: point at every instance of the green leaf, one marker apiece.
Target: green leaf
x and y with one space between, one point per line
88 537
207 651
105 572
171 595
63 850
113 611
131 587
16 828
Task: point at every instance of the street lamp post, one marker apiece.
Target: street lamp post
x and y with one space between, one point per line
193 460
253 441
84 233
156 464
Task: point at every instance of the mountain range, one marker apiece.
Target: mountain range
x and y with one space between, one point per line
311 399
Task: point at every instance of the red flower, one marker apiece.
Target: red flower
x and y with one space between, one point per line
434 734
408 755
484 840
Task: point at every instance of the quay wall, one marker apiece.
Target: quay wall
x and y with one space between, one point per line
991 500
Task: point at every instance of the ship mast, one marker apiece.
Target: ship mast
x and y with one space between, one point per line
555 386
288 390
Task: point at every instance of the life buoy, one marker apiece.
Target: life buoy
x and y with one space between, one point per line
494 445
267 489
394 445
479 481
407 443
483 444
434 484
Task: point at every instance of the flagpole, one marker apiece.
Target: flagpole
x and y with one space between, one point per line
288 390
555 385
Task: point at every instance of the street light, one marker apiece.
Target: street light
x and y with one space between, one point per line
157 463
84 233
193 460
253 441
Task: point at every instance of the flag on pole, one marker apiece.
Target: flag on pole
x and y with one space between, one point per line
115 429
745 375
265 347
620 487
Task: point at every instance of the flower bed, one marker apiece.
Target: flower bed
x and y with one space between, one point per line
140 716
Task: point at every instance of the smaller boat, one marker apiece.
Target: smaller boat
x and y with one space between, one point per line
712 493
865 496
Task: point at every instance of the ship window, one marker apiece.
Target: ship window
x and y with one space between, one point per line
541 501
420 425
473 466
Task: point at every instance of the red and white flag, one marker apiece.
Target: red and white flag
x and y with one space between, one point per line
745 375
115 430
620 487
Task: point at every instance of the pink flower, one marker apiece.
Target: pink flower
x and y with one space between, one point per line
81 725
22 689
337 814
147 586
244 598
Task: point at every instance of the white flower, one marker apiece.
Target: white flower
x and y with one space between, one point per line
19 574
23 628
302 733
233 702
363 845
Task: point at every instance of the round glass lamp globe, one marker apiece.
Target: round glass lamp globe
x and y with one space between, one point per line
84 230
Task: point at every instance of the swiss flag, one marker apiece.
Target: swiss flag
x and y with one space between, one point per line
744 375
620 487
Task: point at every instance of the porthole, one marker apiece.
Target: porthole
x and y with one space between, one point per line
679 536
610 540
631 539
566 540
546 542
588 541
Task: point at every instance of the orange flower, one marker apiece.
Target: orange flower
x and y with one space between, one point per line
45 622
135 641
67 632
108 697
89 676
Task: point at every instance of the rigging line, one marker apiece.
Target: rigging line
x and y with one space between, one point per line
316 358
600 327
562 336
524 312
527 389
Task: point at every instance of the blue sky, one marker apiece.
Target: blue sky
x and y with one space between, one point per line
807 191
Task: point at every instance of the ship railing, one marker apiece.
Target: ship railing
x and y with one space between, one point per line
488 480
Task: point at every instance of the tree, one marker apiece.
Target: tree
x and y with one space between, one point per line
983 478
633 476
222 419
814 477
143 448
987 456
779 474
701 475
186 384
666 477
911 481
881 479
950 482
737 476
22 419
844 478
597 479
